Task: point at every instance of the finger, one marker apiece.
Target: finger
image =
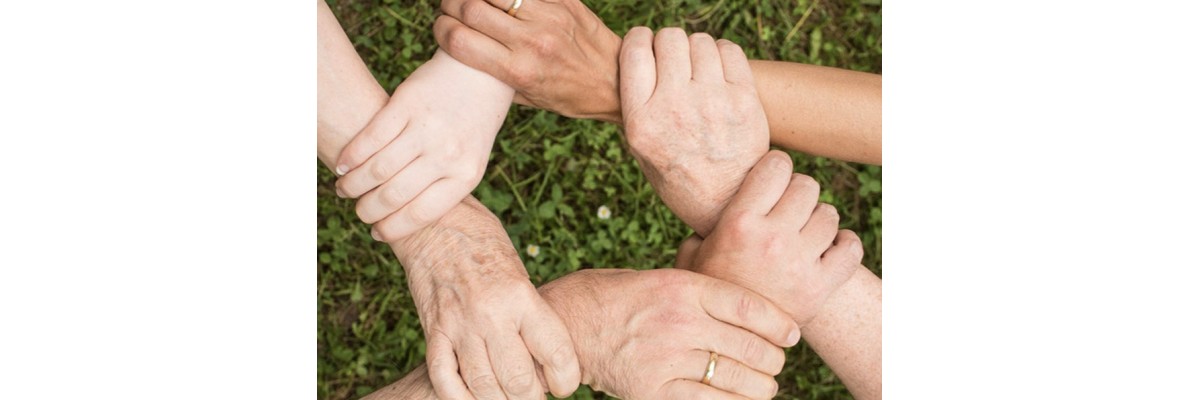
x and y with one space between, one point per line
525 8
638 74
729 375
797 203
471 47
684 389
513 366
737 306
428 207
739 344
841 259
672 57
380 168
482 17
763 186
550 343
397 191
687 252
733 61
818 233
706 61
383 128
476 368
443 369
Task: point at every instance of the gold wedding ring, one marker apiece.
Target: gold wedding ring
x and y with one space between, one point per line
712 366
512 11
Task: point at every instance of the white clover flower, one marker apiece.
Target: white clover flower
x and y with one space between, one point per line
604 212
533 250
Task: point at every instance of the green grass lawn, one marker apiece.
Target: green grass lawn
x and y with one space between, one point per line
548 176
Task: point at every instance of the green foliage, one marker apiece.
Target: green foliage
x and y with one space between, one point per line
549 175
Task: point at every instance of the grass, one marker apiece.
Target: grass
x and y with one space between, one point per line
549 175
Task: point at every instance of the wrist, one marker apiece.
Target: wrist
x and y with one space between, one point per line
467 240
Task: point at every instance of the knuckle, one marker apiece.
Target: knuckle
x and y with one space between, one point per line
672 282
672 31
520 382
522 75
473 12
543 45
742 224
452 151
856 249
456 39
363 212
380 171
562 356
753 351
805 182
828 212
420 214
482 381
392 196
747 307
387 233
735 376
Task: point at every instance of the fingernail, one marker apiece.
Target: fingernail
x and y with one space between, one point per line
341 170
340 193
793 337
375 235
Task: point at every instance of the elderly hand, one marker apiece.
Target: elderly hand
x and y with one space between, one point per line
775 239
692 119
558 55
648 334
426 149
485 324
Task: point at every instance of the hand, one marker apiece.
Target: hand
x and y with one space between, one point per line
558 55
692 119
648 334
481 315
775 239
426 149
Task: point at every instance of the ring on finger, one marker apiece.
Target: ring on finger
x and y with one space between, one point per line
712 366
512 11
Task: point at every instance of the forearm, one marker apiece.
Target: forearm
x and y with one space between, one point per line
414 386
347 94
848 334
829 112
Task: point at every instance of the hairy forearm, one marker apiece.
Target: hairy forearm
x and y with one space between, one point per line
829 112
848 334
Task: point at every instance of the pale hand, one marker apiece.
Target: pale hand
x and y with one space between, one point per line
426 149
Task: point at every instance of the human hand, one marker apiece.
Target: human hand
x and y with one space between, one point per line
426 149
485 324
692 119
648 334
775 239
558 55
